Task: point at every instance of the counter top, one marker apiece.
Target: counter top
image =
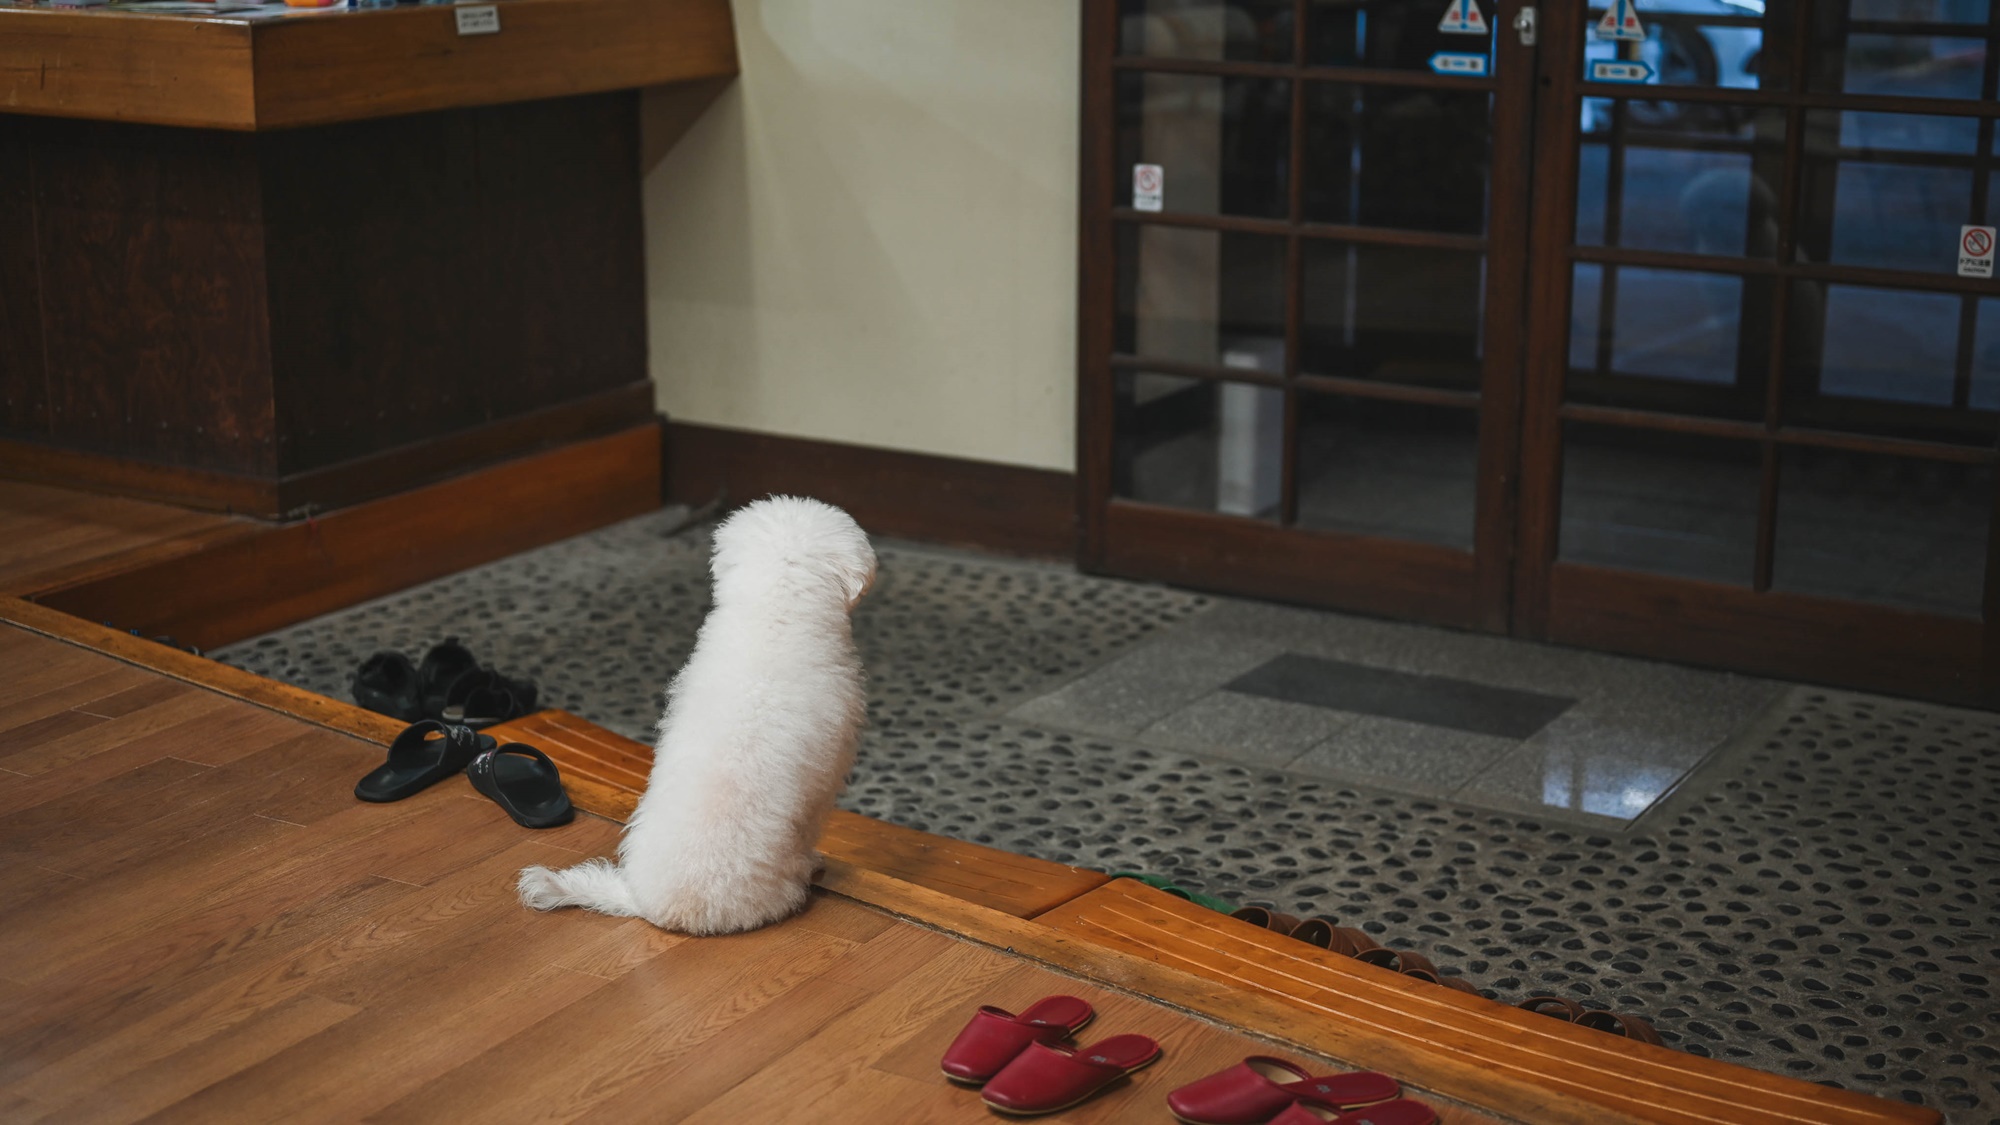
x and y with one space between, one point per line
221 71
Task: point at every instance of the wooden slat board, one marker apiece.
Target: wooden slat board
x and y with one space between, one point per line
53 537
1480 1050
605 772
231 74
248 586
220 932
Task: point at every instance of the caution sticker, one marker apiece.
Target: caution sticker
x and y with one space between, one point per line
1621 21
1975 251
1149 187
1463 18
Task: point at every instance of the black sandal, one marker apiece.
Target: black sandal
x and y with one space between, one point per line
522 780
417 761
443 666
387 685
484 697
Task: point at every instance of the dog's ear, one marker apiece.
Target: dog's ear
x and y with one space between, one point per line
854 566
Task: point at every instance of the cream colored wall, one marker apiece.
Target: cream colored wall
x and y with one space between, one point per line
870 237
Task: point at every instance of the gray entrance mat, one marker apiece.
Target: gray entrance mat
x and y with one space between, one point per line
1797 879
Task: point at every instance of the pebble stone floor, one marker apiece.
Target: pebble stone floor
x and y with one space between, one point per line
1819 896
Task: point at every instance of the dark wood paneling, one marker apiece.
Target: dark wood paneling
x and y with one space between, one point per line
24 393
249 586
436 272
152 274
916 496
376 285
1387 577
563 243
257 323
1815 639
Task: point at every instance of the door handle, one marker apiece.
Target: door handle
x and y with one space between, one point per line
1524 26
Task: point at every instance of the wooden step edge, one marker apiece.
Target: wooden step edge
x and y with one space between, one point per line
1020 885
286 573
1254 1013
306 706
1452 1041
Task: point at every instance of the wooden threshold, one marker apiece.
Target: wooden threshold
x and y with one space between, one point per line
1122 934
248 585
53 537
605 773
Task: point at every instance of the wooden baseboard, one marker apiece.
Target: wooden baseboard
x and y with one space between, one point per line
426 462
203 489
1004 508
333 486
288 573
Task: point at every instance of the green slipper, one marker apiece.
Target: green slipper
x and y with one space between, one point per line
1159 884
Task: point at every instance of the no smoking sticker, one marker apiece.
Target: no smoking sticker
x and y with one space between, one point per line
1975 251
1149 185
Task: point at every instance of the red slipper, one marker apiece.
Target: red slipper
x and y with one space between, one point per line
1402 1111
1260 1086
1045 1079
994 1036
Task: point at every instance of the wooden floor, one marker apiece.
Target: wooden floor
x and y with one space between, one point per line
206 926
54 536
203 924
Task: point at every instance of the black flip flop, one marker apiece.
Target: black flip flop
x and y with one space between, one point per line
522 780
387 685
443 666
484 697
417 761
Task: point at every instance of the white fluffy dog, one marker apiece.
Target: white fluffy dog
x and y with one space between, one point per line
757 739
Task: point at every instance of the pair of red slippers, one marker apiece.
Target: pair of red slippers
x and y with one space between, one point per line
1025 1065
1262 1090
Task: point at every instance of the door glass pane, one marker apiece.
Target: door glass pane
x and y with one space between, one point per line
1201 296
1398 313
1895 47
1237 30
1385 156
1876 528
1885 361
1671 340
1393 34
1394 469
1693 43
1199 443
1220 143
1676 504
1705 186
1886 189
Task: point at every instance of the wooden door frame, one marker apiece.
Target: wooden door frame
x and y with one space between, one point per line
1748 628
1419 581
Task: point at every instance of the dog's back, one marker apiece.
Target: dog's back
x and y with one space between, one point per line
757 740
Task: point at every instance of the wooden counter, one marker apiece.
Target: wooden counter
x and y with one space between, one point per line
324 66
290 264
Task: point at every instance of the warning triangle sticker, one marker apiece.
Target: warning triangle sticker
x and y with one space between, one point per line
1621 21
1463 18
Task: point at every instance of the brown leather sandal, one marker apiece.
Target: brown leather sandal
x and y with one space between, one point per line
1631 1027
1334 938
1266 919
1612 1023
1414 965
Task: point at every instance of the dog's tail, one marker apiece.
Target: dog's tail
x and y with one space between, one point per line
594 884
